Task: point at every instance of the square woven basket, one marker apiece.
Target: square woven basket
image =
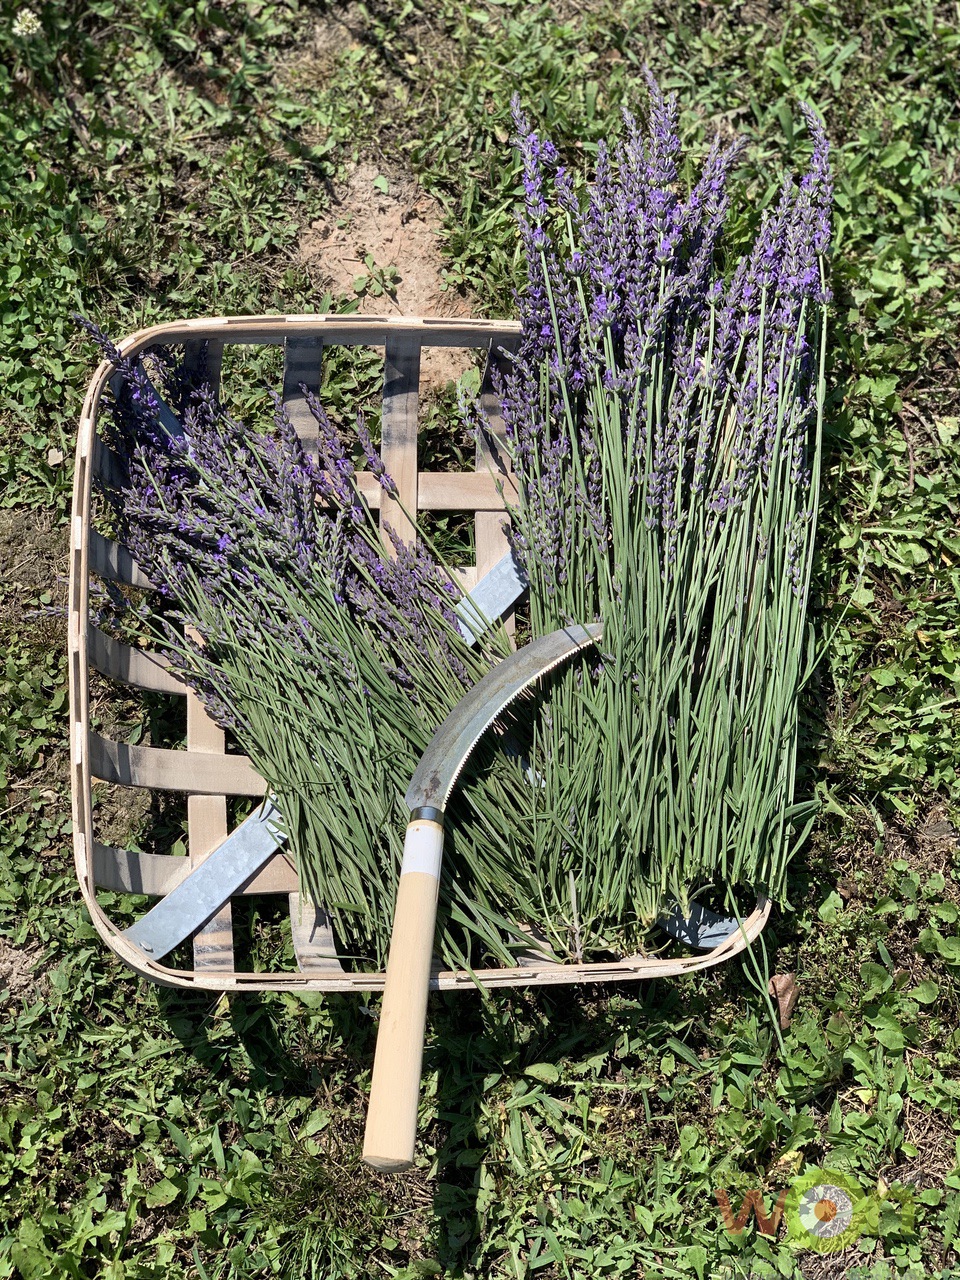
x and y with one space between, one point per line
205 771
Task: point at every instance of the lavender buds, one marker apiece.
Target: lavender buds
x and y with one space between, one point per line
329 660
663 415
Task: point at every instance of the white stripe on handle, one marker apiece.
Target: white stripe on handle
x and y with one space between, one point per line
422 848
395 1089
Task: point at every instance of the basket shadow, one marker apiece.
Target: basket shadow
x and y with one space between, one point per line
484 1056
491 1056
265 1042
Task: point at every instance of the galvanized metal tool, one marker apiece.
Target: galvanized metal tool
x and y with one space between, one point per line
395 1090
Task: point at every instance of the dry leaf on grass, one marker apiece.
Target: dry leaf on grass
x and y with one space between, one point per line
784 989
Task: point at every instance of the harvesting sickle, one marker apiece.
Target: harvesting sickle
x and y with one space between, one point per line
395 1091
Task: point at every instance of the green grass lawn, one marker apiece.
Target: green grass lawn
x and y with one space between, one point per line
165 159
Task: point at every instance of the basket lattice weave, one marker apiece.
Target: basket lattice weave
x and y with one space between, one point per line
205 771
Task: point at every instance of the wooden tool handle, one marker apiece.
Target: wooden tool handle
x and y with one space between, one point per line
395 1091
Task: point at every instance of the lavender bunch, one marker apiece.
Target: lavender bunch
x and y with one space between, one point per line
329 661
663 415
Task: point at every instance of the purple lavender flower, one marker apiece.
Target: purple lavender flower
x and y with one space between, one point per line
374 460
633 321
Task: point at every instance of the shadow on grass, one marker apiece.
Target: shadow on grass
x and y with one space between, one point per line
484 1054
488 1053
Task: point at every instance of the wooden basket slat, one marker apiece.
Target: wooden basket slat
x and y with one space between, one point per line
128 871
303 367
157 874
213 944
302 363
204 772
138 667
203 357
539 952
313 941
490 539
108 559
207 825
445 491
214 349
192 772
348 331
496 368
108 466
398 433
633 967
206 829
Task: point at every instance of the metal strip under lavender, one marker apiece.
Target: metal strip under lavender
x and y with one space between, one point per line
204 891
493 595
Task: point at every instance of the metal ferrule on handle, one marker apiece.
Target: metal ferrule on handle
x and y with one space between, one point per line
395 1090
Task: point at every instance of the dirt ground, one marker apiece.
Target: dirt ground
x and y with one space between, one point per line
33 559
17 972
400 230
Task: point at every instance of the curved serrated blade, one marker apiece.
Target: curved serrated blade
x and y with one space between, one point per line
452 743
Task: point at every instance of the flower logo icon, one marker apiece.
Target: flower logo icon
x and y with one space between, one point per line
825 1211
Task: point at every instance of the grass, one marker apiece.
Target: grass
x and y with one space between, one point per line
161 161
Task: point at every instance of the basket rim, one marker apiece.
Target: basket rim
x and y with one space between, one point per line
371 330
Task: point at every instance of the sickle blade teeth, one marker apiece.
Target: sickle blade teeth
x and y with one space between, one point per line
451 745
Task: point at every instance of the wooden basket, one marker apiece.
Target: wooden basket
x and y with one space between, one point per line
205 771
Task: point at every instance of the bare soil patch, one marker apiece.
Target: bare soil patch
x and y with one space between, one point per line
399 229
18 977
33 559
930 1130
930 845
335 31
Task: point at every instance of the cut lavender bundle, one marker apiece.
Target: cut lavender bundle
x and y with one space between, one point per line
330 661
663 417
